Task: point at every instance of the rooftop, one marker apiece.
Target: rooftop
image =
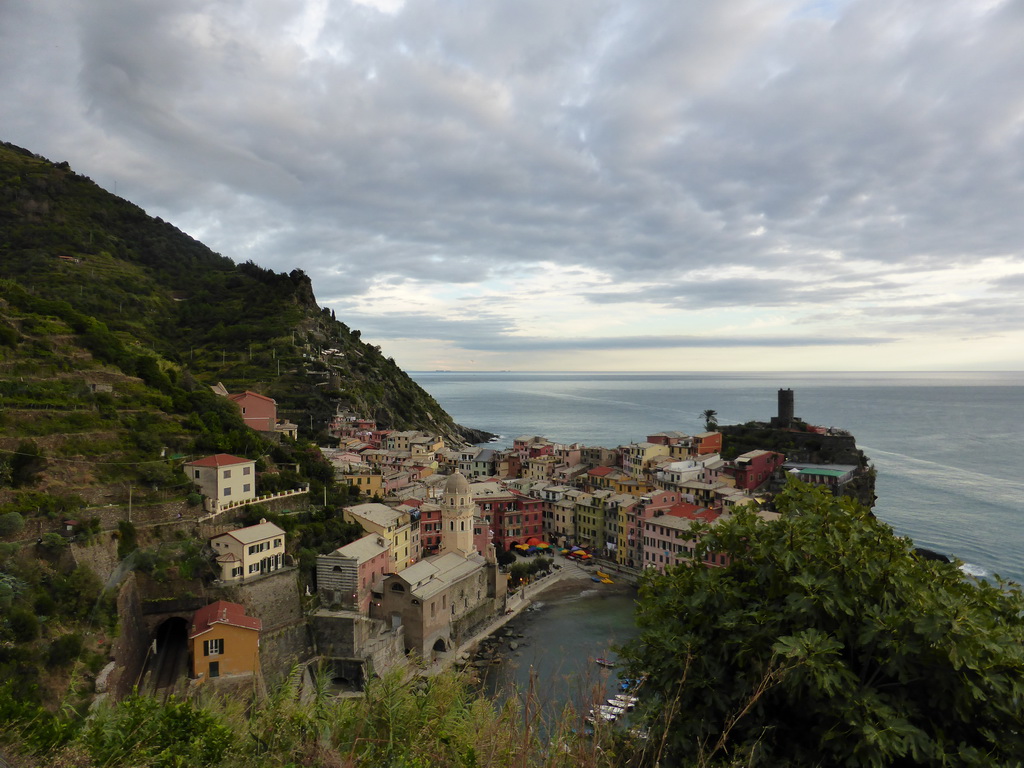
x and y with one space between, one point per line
222 612
218 460
253 533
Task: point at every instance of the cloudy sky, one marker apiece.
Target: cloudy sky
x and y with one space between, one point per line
571 184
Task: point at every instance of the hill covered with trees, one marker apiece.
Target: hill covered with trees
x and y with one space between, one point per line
114 325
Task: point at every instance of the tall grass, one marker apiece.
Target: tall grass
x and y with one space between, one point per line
403 720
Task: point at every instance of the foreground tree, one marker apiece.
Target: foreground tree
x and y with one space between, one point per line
827 641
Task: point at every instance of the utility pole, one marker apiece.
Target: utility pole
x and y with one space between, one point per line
129 502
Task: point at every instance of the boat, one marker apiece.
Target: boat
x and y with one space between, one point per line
605 662
598 714
620 704
624 700
612 709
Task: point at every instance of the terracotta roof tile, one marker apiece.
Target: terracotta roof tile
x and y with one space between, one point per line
222 612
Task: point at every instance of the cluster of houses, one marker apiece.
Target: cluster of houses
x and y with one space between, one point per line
425 573
633 504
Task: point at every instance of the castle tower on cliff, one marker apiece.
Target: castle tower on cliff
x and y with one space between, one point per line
786 410
457 509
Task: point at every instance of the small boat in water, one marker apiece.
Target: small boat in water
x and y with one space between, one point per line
605 662
624 700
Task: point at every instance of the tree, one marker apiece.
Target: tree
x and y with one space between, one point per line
11 523
27 463
827 641
710 417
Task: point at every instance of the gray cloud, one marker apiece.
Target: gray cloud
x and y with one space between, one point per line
829 148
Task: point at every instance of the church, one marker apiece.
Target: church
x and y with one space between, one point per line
442 599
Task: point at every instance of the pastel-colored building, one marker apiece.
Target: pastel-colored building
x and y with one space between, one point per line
249 552
668 539
393 525
223 641
345 577
707 442
258 411
222 478
754 468
511 517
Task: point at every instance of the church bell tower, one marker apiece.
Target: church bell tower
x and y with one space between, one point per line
457 510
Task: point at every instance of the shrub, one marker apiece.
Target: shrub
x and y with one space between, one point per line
24 624
65 649
127 539
11 523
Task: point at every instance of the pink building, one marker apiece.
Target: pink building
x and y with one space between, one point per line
667 538
754 468
258 411
512 517
346 576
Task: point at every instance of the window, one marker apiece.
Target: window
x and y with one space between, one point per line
246 488
277 542
213 647
254 568
246 470
227 492
227 473
237 571
197 474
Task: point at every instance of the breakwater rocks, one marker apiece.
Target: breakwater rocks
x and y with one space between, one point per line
503 644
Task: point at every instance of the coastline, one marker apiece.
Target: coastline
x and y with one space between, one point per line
570 580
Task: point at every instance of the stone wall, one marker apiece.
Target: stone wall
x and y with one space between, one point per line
276 600
129 648
99 555
464 627
282 648
348 640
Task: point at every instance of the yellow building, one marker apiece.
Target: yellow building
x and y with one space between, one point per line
394 526
367 483
224 641
249 552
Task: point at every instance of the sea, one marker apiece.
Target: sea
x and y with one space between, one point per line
948 447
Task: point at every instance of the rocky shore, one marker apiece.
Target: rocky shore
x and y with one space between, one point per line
492 644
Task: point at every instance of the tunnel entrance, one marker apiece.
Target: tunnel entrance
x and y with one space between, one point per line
167 660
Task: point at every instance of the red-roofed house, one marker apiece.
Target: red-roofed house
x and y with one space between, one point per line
224 641
223 478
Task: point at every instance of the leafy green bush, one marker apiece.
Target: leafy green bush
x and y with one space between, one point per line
127 539
178 733
11 523
65 650
23 624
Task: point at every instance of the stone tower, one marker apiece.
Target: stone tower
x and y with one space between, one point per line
457 510
786 409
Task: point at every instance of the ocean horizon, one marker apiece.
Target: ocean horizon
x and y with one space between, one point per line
945 444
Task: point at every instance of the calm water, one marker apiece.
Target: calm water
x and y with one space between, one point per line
947 446
560 640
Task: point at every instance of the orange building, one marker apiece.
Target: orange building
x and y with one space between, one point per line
224 641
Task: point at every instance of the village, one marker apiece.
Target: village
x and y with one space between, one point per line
430 576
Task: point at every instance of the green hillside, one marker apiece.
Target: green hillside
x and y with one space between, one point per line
114 324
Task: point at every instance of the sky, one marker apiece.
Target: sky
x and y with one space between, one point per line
643 185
